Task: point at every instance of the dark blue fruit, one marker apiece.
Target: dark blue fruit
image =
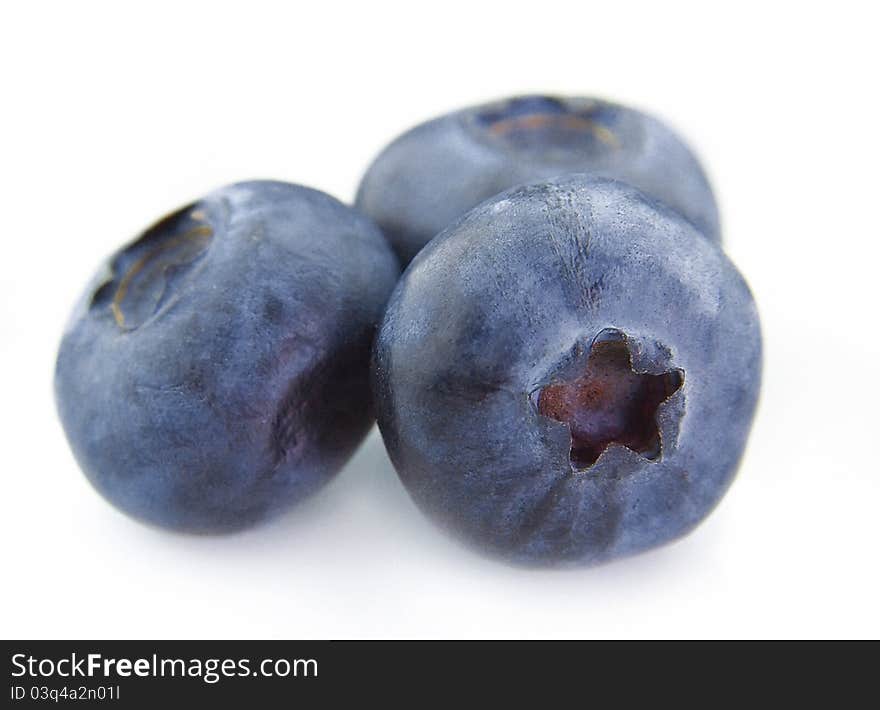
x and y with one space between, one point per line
216 371
437 171
568 375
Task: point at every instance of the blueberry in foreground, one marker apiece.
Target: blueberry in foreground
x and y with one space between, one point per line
216 371
434 173
569 374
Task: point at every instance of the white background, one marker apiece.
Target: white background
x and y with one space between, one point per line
114 115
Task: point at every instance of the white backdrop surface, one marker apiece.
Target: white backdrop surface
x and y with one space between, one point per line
114 115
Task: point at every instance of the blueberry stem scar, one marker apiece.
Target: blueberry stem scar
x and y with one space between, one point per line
609 403
199 234
538 121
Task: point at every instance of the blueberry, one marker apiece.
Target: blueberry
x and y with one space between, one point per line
437 171
217 369
569 374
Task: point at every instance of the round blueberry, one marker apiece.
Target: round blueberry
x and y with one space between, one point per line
568 374
217 369
437 171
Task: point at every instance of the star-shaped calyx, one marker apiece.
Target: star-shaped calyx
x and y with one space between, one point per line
609 404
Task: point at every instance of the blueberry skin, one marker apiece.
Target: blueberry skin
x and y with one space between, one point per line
216 371
437 171
513 298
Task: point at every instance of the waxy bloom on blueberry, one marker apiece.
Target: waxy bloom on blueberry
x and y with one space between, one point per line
434 173
568 374
216 370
